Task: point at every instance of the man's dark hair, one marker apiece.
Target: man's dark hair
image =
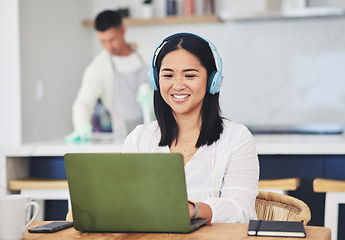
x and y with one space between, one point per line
108 19
212 122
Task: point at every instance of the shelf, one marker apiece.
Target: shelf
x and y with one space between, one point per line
162 21
308 12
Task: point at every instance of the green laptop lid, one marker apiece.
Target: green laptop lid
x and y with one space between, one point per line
128 192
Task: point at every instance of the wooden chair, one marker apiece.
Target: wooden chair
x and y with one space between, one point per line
335 195
40 190
279 207
279 185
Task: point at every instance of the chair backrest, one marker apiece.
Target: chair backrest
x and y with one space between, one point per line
278 207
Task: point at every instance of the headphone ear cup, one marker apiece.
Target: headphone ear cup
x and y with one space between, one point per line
153 79
210 81
214 82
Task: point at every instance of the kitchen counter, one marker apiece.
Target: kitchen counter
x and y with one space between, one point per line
98 143
13 160
281 156
265 144
300 144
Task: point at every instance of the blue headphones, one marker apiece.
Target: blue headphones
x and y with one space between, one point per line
215 80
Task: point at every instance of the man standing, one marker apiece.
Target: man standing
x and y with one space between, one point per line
114 76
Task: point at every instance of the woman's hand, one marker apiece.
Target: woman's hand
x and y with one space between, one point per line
203 210
191 208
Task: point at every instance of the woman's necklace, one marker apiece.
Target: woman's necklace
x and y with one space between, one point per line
194 151
189 141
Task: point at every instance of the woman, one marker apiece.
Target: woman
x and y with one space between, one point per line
221 163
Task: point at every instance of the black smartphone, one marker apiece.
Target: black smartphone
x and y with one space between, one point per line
51 227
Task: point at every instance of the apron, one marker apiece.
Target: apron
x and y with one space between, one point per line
127 113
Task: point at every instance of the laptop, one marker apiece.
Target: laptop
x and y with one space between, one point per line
129 192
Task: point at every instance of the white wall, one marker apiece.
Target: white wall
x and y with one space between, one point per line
275 72
55 49
285 72
10 120
279 72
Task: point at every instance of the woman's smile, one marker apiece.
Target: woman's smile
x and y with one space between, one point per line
182 81
180 97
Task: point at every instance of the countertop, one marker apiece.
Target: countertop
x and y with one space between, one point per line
265 144
300 143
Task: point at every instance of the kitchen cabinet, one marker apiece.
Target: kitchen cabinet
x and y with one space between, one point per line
335 167
307 168
45 160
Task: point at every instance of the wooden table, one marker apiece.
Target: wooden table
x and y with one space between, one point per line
217 231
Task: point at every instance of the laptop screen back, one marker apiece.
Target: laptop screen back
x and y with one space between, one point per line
128 192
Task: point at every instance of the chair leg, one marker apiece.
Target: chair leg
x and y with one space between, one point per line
333 199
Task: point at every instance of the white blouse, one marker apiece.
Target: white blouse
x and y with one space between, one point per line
223 175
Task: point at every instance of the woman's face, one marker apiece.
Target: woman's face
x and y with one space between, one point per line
182 81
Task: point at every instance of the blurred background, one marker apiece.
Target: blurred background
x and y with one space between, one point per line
283 61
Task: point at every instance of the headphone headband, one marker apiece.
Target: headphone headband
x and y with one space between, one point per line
215 80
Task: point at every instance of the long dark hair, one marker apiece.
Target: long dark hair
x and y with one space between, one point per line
212 122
